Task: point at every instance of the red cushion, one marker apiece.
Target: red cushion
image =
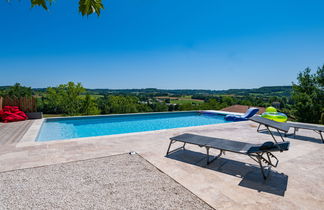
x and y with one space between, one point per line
21 113
12 114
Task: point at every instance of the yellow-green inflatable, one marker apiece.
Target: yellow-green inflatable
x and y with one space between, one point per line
272 114
271 109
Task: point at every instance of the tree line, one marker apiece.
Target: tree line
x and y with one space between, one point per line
304 104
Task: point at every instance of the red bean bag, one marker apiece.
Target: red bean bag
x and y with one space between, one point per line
12 114
12 109
13 118
22 114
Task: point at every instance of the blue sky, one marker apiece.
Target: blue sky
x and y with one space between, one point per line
209 44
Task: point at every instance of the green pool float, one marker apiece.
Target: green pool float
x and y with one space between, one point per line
271 109
272 114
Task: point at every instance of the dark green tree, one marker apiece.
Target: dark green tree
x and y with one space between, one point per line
212 104
89 106
308 96
18 91
64 99
159 107
187 107
113 104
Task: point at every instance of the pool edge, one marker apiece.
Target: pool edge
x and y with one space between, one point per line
33 132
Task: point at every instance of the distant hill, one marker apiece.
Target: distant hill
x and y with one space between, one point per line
266 91
4 87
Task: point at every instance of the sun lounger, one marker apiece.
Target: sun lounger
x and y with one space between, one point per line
249 113
316 128
283 127
263 121
261 153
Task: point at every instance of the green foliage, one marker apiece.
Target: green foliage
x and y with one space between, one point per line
187 107
159 107
228 100
322 118
64 99
17 90
42 3
183 101
121 104
213 104
308 96
52 102
71 100
89 106
320 77
86 7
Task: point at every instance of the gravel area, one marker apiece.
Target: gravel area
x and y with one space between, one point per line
114 182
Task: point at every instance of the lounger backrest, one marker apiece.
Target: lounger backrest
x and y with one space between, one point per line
281 146
250 112
270 123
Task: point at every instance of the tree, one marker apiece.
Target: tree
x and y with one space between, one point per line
187 107
228 100
320 81
52 101
320 77
89 106
18 91
65 98
71 97
212 104
110 104
308 96
159 107
86 7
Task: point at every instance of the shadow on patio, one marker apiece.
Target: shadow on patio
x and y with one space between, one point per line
291 136
250 174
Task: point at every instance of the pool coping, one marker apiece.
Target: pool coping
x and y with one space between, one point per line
33 132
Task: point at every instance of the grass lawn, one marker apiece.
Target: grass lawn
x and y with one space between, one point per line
53 115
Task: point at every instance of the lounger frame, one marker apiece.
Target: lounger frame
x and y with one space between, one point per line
265 159
314 128
296 127
272 135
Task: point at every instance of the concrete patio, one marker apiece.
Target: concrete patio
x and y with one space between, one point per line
232 182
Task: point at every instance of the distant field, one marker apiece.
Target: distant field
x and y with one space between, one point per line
187 101
181 100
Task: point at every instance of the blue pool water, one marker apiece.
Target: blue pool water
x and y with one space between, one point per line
68 128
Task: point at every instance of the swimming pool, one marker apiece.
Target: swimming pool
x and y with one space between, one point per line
79 127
